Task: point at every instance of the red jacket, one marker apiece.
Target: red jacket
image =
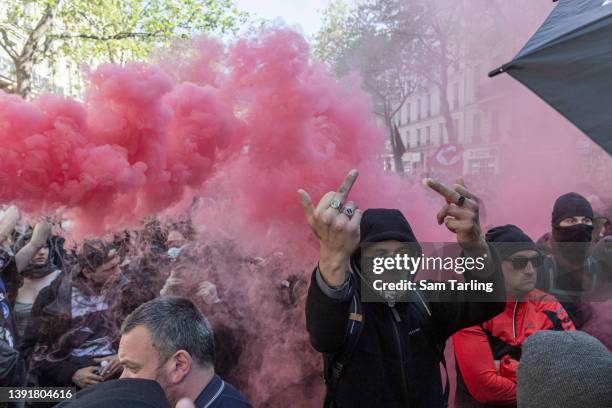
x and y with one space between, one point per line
476 349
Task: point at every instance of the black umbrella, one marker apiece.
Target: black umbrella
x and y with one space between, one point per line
568 63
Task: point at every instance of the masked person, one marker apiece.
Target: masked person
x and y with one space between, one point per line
175 243
394 361
488 354
70 340
569 273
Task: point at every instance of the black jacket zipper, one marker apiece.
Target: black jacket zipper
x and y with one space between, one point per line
397 319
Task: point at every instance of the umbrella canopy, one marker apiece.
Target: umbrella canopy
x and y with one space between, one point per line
568 63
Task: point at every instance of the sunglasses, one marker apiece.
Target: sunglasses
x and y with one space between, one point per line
520 262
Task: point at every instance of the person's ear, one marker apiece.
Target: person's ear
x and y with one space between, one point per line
180 365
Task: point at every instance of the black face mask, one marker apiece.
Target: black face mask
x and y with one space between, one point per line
575 233
573 243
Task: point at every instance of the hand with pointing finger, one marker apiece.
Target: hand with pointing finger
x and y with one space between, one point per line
335 222
460 214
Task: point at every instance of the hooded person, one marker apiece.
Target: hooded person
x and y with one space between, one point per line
569 272
572 229
564 369
488 354
387 353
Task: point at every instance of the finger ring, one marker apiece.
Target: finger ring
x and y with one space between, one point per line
349 211
336 204
461 200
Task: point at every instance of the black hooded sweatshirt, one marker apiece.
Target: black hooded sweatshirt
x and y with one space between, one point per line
396 362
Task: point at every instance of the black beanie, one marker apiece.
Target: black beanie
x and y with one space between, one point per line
509 239
570 205
123 393
381 224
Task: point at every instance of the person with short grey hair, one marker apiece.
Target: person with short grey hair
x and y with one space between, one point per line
168 340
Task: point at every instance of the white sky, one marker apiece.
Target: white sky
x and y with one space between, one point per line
305 14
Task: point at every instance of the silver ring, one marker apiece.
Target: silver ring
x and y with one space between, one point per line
461 201
348 211
336 204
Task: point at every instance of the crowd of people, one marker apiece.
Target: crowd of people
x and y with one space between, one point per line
389 353
69 312
122 318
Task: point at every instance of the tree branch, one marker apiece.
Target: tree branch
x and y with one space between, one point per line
30 47
119 36
6 44
399 106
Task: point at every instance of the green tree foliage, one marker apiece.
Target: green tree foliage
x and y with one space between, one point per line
33 31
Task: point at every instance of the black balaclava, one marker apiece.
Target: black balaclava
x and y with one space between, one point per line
573 241
54 261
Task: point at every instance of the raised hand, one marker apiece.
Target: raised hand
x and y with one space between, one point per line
460 214
8 221
335 223
42 232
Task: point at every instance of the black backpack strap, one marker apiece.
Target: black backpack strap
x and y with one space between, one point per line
447 384
340 359
438 344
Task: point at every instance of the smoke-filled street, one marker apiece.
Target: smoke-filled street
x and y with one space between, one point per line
381 203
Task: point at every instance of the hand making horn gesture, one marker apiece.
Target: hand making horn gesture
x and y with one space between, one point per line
335 222
460 214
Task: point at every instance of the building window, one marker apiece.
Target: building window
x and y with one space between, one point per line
477 135
419 109
407 140
441 132
428 105
456 96
495 126
418 138
428 136
483 167
477 78
456 128
407 113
